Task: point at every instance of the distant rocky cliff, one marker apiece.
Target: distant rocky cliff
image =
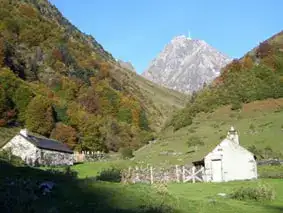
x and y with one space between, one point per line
186 64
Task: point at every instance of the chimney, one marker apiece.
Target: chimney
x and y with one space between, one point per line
233 135
24 132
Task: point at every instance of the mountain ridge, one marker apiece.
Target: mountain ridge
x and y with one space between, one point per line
186 64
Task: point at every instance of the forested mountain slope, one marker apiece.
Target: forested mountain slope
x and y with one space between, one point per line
59 82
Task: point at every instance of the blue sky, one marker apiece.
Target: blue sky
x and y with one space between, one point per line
137 30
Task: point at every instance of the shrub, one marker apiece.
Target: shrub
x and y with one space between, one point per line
261 192
236 105
61 114
6 155
143 122
111 175
162 203
181 120
68 172
125 115
195 141
252 127
164 208
126 153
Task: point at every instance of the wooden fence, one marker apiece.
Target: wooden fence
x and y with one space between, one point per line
151 175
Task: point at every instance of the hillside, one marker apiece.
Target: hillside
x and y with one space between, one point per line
259 125
61 83
256 76
247 95
186 64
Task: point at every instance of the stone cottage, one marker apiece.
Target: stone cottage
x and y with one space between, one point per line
37 151
228 161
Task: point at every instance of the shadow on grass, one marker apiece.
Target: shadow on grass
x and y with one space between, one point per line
19 192
275 209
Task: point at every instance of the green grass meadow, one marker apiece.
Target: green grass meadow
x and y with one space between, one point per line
256 125
87 195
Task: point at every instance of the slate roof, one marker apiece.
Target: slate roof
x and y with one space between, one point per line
49 144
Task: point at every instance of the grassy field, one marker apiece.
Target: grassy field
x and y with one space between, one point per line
85 195
259 123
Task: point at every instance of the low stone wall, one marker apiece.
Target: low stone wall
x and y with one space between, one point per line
270 162
88 156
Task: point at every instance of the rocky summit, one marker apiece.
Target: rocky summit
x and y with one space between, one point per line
185 64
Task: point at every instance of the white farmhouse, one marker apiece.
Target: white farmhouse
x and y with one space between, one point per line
38 151
229 161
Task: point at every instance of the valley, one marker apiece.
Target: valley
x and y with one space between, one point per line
61 85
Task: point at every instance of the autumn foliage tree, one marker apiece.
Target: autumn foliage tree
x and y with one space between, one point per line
65 134
247 62
28 11
40 116
264 50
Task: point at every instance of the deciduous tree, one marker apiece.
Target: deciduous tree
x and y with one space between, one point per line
40 116
65 134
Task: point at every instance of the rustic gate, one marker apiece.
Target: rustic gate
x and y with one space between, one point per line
192 174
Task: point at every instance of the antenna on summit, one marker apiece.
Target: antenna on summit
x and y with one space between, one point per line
189 35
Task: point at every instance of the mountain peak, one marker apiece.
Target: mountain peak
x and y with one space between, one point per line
185 64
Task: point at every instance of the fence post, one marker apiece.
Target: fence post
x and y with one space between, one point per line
183 174
177 174
193 173
137 173
203 174
129 174
151 175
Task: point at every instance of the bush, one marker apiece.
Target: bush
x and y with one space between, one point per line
155 209
195 141
111 175
126 153
261 192
68 172
236 105
125 115
6 155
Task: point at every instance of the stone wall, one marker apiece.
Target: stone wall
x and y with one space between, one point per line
54 158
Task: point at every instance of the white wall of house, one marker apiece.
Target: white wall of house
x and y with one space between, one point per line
229 161
22 148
